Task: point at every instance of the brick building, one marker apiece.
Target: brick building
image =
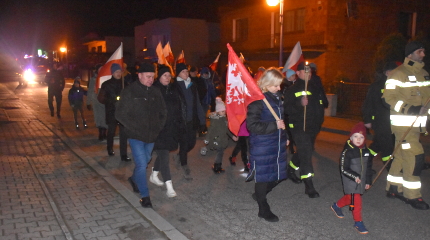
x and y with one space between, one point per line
340 36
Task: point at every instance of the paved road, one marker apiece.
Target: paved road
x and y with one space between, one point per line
220 207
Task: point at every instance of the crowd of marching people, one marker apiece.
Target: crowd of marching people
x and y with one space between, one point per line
161 109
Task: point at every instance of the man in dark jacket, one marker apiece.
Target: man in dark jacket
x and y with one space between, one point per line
193 114
109 95
297 103
376 115
142 112
56 84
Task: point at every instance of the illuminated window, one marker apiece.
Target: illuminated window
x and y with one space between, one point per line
240 30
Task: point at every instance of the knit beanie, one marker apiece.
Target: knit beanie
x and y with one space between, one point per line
204 70
77 80
162 70
290 73
146 67
313 66
301 66
219 105
180 67
412 47
361 129
115 67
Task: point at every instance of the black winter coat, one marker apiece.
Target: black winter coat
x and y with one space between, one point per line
198 115
55 81
109 95
168 139
355 163
374 109
142 111
295 110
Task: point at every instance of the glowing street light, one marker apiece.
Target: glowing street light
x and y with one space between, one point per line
64 50
273 3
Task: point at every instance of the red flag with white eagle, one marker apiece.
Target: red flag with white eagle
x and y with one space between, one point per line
241 91
294 59
104 73
214 65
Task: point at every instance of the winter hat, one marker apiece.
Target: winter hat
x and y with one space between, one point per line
162 70
301 66
204 70
313 66
146 67
359 128
180 67
290 73
193 69
412 47
114 67
77 80
219 105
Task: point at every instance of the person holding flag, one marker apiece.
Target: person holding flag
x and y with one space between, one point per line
109 96
304 107
245 100
268 141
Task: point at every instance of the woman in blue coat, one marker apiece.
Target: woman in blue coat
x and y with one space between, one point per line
267 141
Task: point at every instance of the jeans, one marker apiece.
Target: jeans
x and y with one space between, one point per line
141 156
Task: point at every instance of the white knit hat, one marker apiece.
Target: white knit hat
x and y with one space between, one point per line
219 105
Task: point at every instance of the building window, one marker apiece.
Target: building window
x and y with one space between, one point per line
240 30
99 49
294 21
93 49
407 24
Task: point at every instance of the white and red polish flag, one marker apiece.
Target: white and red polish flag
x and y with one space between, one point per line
214 65
104 73
241 91
167 51
181 58
295 58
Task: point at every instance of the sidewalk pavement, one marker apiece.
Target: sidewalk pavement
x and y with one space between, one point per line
51 189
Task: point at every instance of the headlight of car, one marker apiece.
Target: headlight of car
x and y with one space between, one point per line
29 75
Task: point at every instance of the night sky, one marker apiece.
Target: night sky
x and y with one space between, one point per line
26 25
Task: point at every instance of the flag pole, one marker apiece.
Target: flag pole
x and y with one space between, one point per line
271 110
307 70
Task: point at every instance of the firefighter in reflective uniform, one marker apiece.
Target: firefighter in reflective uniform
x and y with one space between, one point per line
376 115
296 99
407 92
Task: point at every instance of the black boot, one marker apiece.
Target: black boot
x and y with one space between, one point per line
393 193
76 124
309 188
110 151
146 202
125 158
418 203
291 172
217 168
264 212
84 122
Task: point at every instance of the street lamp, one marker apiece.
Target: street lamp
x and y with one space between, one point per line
281 21
64 49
